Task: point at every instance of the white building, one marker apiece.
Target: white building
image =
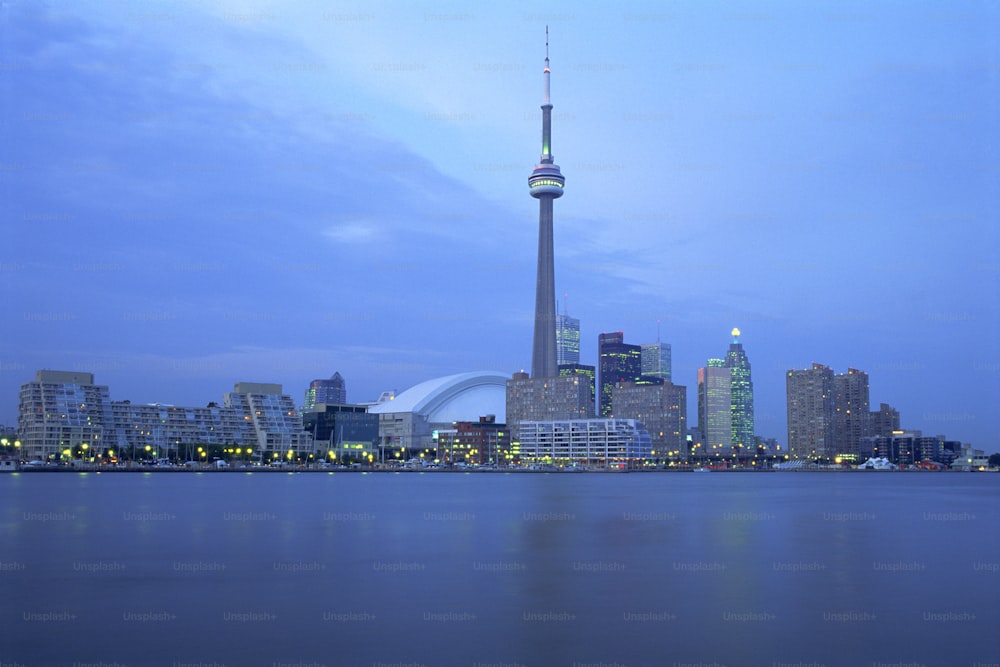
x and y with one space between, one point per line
593 441
65 410
277 425
62 410
409 421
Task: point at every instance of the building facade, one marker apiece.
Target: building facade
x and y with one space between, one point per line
618 361
884 422
655 360
851 415
164 431
662 409
484 442
277 424
741 394
546 399
342 431
599 442
330 392
567 340
810 410
589 375
60 411
715 421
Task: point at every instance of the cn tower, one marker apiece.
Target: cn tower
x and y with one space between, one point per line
546 184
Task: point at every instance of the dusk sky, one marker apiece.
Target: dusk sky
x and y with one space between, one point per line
194 194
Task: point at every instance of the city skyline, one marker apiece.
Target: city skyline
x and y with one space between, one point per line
196 186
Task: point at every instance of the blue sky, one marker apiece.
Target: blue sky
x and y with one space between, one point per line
198 193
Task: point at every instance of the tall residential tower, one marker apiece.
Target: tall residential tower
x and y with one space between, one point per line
546 185
810 412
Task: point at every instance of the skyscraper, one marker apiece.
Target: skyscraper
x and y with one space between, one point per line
715 408
851 417
618 362
809 396
330 392
546 185
741 393
567 340
656 360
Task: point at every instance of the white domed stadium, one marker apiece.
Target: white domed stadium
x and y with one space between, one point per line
409 421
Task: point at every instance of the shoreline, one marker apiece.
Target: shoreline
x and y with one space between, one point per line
515 471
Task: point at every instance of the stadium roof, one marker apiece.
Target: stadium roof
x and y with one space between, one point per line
462 397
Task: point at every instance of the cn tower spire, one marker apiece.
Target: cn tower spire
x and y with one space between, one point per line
546 185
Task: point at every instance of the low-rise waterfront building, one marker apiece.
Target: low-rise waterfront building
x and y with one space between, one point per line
63 414
483 442
62 411
342 432
601 442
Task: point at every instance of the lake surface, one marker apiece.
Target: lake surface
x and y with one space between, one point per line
516 570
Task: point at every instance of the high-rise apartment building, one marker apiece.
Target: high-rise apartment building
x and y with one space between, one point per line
741 394
810 407
546 399
329 392
567 340
715 409
618 361
662 409
589 374
851 416
884 422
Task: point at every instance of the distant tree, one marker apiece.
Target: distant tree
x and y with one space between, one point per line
994 460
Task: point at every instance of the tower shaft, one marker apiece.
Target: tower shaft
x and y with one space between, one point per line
543 355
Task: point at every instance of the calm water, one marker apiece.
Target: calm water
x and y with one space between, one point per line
493 569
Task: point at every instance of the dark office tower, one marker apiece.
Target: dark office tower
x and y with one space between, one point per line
715 408
850 414
741 393
546 185
329 392
884 422
618 362
567 340
809 396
